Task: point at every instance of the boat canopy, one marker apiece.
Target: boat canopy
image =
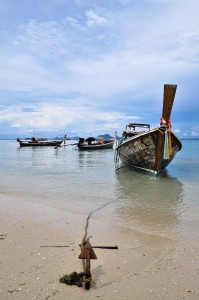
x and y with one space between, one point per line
134 125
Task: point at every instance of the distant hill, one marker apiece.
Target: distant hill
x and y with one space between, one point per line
104 136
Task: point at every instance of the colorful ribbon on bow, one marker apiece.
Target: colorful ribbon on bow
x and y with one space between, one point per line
167 138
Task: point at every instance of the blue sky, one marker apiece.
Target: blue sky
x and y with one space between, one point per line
81 67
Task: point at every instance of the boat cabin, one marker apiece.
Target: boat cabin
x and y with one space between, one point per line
132 131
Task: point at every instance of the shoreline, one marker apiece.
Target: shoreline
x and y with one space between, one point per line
144 267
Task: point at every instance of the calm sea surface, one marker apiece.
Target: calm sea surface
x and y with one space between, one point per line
80 182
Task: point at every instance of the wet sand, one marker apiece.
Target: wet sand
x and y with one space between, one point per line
145 266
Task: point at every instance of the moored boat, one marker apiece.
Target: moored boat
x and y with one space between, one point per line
34 142
94 144
150 149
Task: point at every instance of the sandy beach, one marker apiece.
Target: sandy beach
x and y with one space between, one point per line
145 266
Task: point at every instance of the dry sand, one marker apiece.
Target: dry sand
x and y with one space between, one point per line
144 267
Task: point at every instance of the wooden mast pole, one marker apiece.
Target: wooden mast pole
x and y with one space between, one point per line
168 99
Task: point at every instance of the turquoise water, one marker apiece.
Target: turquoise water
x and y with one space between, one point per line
81 181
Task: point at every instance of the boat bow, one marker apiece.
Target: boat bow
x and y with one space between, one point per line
154 149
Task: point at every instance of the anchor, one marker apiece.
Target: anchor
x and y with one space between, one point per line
87 253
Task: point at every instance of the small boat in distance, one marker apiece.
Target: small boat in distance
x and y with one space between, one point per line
92 143
38 142
151 149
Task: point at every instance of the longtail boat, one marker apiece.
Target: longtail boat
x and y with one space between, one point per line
94 144
34 142
150 149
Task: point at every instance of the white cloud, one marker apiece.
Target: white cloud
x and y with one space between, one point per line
45 38
15 126
94 19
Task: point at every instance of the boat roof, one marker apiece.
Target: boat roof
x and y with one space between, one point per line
134 125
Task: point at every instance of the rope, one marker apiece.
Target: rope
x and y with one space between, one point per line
117 161
87 221
73 279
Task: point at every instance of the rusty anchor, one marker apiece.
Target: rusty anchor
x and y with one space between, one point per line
87 253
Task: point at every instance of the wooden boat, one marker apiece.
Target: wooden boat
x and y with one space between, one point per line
92 144
33 142
151 149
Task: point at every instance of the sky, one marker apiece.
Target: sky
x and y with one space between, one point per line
90 67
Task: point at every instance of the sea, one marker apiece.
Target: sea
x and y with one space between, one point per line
80 182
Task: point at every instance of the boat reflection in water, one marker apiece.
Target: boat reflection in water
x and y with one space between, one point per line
149 203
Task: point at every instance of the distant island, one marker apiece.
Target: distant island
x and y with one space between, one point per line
104 136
